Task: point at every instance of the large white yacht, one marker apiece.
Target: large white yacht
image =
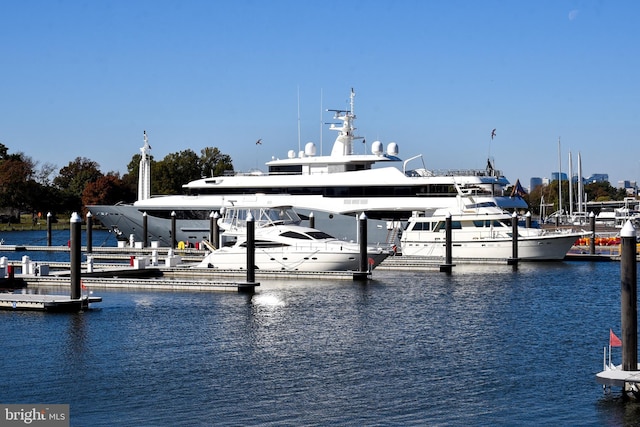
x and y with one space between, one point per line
333 188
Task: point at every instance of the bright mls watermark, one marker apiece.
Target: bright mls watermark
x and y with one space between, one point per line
34 415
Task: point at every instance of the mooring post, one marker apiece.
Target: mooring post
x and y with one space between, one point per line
76 230
363 238
145 229
214 230
312 220
251 249
514 241
448 240
48 228
448 245
89 232
173 230
592 241
628 298
527 221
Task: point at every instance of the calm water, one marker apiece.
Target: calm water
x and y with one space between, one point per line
483 346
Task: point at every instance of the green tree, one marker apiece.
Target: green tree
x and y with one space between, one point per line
213 162
73 178
174 170
603 192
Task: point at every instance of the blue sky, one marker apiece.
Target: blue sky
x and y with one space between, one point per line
85 78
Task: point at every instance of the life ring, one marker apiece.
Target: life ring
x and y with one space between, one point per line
180 244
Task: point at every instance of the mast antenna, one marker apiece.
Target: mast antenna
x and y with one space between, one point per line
321 124
298 118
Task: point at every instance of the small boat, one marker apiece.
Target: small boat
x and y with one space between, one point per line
283 243
482 232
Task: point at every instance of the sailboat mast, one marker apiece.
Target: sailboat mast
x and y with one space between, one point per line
580 185
559 180
570 186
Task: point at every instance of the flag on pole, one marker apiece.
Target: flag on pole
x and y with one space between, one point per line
518 190
614 341
493 133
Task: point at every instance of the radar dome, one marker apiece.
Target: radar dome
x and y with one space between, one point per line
310 149
291 154
392 149
376 148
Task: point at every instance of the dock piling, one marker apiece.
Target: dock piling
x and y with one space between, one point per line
145 229
628 298
251 249
592 241
76 229
514 241
89 233
48 228
173 230
363 261
214 230
448 249
362 239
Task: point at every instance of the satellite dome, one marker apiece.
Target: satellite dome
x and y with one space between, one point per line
392 149
376 148
310 149
291 154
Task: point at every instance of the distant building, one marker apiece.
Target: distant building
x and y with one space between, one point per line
597 177
535 182
554 176
631 187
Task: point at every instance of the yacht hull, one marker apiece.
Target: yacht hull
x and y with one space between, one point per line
236 259
543 248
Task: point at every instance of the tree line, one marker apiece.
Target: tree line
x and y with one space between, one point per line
28 187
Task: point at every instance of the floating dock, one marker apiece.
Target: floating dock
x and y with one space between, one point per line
617 377
40 302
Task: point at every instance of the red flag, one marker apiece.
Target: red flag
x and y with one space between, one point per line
614 341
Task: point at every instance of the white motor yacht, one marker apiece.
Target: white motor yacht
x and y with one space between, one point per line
482 231
283 243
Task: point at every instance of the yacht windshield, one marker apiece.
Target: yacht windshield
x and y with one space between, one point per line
295 235
320 235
